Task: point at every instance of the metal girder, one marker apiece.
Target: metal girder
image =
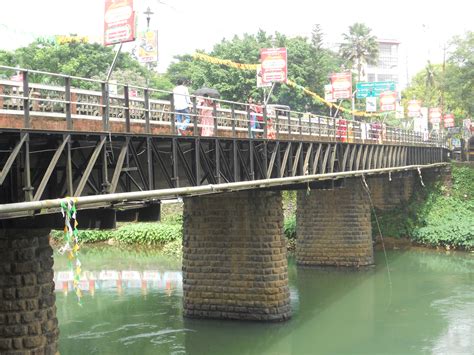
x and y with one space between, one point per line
307 158
316 158
49 170
12 157
119 166
325 159
297 158
90 165
162 165
285 159
272 159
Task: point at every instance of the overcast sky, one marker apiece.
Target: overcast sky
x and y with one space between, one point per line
421 26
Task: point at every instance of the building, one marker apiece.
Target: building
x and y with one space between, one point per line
387 68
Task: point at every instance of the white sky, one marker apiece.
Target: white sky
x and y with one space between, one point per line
422 26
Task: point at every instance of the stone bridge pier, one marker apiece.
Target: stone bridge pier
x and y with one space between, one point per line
391 192
234 257
333 226
28 323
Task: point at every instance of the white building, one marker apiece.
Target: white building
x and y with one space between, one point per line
387 67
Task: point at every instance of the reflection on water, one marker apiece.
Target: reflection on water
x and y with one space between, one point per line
132 304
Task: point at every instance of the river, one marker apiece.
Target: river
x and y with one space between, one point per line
132 304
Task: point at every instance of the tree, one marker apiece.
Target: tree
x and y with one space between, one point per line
309 65
359 47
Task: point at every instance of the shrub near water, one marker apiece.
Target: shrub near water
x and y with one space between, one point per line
436 216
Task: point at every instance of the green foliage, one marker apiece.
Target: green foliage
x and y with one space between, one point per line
359 47
289 227
436 216
148 233
86 235
309 64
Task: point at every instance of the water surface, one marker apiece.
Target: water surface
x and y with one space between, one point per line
132 304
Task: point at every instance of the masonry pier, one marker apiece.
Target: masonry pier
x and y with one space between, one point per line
235 260
333 226
28 323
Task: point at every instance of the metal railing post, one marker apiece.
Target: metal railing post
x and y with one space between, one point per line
146 94
232 118
265 122
289 123
277 123
214 113
195 116
67 96
127 108
26 100
105 106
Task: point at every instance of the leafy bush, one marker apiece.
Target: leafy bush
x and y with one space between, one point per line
289 227
85 235
436 216
148 233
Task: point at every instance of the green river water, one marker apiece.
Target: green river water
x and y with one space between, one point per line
132 304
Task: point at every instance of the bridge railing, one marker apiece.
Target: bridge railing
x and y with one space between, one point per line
41 100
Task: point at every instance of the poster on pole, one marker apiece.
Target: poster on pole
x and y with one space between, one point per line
260 83
148 46
448 120
414 108
388 101
341 85
119 21
274 65
371 104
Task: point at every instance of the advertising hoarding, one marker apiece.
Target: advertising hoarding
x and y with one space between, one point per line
274 65
148 46
388 100
119 21
341 85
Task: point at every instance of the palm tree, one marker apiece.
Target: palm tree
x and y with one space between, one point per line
359 47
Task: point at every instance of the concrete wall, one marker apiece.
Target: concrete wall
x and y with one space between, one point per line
235 262
333 227
28 323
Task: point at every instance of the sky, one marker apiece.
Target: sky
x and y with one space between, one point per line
422 27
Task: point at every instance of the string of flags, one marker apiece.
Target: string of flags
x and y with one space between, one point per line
290 83
71 239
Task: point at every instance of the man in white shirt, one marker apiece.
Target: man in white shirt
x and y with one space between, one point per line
181 106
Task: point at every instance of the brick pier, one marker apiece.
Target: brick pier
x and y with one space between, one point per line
28 323
333 227
234 262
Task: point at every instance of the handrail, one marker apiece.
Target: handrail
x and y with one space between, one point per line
214 117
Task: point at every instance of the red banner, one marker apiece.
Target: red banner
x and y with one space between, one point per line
388 101
119 21
341 85
274 65
448 120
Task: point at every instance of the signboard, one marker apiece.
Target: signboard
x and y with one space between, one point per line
435 115
414 108
388 101
274 65
119 21
371 104
367 89
328 94
260 83
341 85
148 46
448 120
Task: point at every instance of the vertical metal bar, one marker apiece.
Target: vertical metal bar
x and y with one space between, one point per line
69 177
252 163
300 129
309 125
249 122
67 97
232 117
149 158
146 94
197 158
214 113
195 116
105 106
277 119
174 148
319 127
28 189
127 108
172 116
26 102
218 161
289 123
236 160
105 169
265 122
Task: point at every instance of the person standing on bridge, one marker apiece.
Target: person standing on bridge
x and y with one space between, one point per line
182 102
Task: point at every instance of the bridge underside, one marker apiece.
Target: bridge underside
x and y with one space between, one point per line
38 165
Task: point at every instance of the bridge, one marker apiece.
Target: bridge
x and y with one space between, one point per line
119 151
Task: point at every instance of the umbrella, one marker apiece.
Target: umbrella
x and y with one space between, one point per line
207 92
